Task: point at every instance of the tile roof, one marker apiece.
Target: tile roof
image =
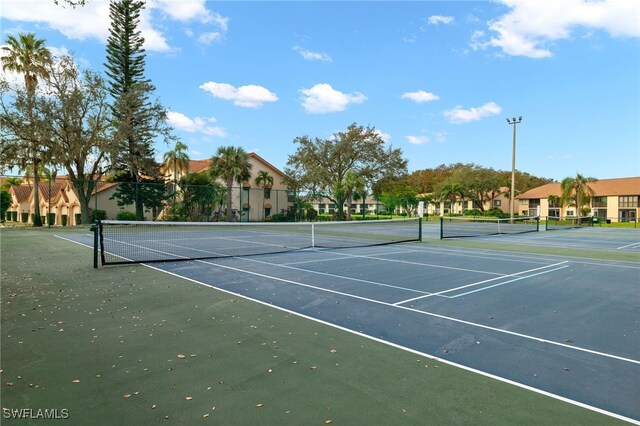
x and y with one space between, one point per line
22 192
601 188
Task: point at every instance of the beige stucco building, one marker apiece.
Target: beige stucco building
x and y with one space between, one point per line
616 200
59 199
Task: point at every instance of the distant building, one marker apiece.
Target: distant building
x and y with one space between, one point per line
617 200
60 203
250 202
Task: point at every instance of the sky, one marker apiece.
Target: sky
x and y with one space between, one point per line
437 79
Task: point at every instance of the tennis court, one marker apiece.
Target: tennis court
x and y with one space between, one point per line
562 326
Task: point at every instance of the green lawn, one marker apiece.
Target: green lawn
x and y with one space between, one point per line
131 345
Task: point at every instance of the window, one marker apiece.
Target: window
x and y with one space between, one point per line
570 213
291 196
267 193
525 202
628 201
599 201
267 211
497 203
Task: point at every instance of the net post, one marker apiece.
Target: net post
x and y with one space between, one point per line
441 227
313 235
96 229
538 223
420 228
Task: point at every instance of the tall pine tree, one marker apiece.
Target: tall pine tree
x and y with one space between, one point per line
137 119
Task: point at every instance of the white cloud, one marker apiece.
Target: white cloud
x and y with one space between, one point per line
531 26
458 115
92 20
322 98
183 10
250 96
210 37
439 19
417 140
420 96
312 56
383 135
180 121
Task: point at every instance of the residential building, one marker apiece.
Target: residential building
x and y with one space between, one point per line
616 200
250 202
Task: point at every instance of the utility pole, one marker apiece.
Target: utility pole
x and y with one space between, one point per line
514 123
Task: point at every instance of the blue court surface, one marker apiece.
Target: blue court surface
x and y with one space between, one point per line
567 327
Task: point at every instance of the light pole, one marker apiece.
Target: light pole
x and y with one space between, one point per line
514 123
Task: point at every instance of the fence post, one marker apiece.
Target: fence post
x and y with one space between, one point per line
96 229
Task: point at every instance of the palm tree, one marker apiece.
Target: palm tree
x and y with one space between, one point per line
451 191
178 160
264 180
576 191
11 182
28 55
353 185
230 164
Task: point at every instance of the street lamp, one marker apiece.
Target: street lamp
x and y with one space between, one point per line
513 122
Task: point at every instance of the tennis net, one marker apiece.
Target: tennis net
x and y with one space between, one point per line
121 242
554 223
458 227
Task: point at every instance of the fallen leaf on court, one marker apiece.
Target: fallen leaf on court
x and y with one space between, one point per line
188 398
333 351
259 405
328 421
181 356
313 367
126 395
76 381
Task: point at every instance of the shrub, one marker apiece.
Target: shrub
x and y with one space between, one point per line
312 214
127 215
64 220
78 218
25 217
278 217
51 218
495 212
98 215
474 212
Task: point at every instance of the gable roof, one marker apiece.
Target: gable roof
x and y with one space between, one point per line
601 188
197 166
22 192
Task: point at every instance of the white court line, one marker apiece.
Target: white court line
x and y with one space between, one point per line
342 277
431 314
517 274
406 262
508 282
634 245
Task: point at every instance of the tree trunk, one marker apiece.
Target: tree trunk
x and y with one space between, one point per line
229 198
139 202
37 219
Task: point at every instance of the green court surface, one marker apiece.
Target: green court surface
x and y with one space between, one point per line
132 345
